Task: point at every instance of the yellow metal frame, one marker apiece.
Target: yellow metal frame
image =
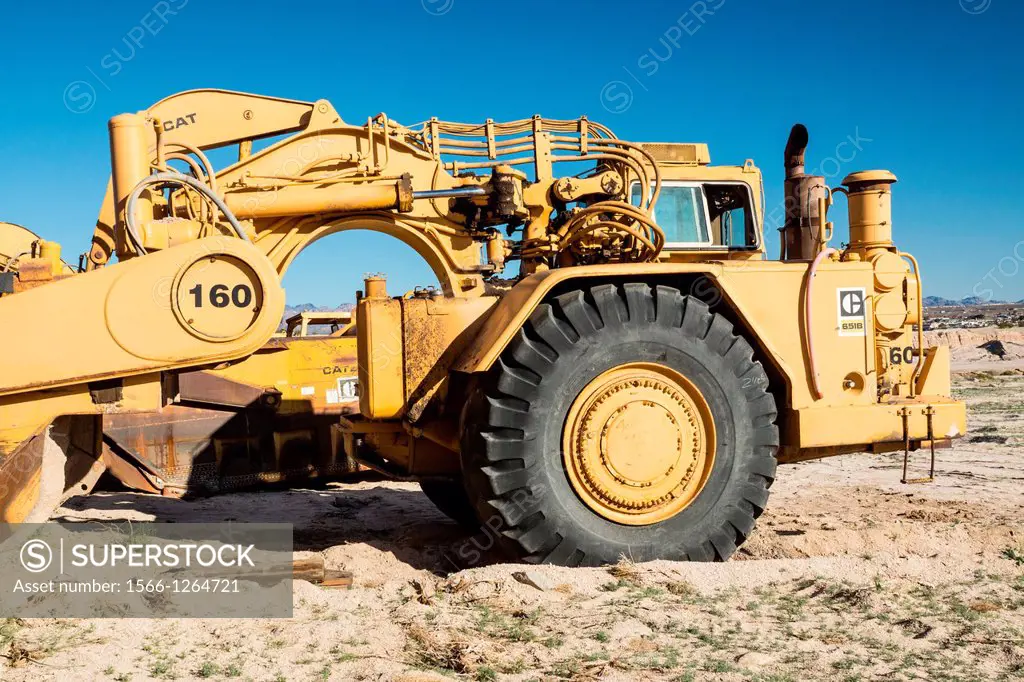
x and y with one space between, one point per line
201 251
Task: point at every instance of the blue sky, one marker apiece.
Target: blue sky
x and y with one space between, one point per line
930 90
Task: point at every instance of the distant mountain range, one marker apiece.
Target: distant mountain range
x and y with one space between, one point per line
935 301
290 310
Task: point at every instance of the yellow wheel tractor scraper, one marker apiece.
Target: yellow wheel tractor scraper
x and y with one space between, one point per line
628 391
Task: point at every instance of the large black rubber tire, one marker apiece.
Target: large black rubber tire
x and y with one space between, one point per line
450 497
512 452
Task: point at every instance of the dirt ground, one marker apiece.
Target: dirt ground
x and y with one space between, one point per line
849 576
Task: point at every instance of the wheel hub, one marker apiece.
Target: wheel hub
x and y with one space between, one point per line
638 443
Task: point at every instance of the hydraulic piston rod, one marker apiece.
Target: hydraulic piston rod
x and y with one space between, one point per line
449 193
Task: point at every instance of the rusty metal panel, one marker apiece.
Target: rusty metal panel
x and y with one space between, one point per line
20 476
204 451
436 330
205 387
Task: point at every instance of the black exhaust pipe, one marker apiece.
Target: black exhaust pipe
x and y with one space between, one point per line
800 237
796 145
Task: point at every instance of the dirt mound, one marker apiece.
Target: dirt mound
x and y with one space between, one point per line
973 338
982 349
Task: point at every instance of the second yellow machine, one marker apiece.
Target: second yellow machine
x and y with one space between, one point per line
625 390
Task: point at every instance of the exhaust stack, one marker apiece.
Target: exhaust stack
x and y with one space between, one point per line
800 238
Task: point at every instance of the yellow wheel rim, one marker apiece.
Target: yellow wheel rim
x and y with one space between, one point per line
639 443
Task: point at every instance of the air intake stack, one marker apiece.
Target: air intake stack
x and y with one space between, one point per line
870 207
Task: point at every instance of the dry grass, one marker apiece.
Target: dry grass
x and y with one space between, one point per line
429 650
626 571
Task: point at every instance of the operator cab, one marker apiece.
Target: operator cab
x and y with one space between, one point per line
703 207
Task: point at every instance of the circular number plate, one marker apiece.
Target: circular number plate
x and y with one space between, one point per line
218 298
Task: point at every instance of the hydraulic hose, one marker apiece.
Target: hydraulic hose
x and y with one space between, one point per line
808 328
174 178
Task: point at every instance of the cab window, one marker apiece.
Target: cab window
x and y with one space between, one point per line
681 213
703 214
730 214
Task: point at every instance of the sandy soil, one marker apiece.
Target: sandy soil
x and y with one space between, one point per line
987 349
849 576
